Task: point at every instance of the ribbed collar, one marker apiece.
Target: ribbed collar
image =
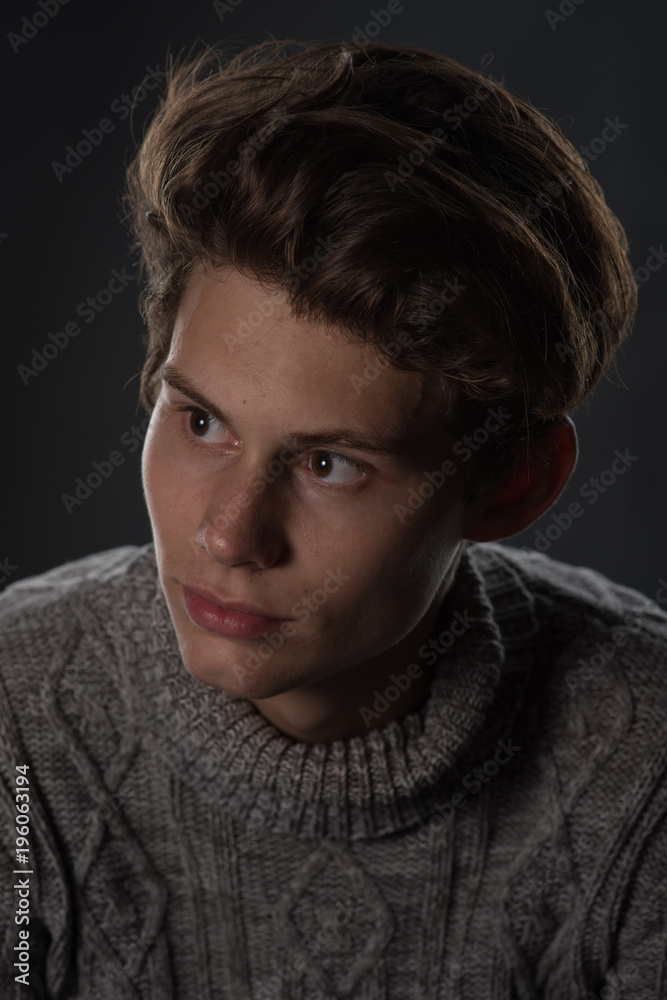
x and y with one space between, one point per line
350 789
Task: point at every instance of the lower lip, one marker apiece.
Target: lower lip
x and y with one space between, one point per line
231 623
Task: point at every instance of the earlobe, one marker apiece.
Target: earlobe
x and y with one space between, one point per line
523 495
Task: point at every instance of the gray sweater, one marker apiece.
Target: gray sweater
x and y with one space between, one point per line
507 840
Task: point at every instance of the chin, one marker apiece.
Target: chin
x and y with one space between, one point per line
218 664
224 664
252 687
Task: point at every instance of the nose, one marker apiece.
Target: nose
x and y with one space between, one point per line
243 522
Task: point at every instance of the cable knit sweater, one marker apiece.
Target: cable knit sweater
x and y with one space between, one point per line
506 840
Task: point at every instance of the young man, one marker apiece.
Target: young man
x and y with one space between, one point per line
324 736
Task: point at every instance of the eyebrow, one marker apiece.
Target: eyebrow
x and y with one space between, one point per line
392 445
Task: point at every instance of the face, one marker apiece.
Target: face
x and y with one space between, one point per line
277 463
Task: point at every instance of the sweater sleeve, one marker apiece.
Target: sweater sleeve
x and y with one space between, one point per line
64 723
639 962
616 703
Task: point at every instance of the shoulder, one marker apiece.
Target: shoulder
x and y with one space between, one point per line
38 602
69 638
71 630
559 590
79 575
592 766
596 653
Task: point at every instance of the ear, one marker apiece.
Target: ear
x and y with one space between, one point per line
523 495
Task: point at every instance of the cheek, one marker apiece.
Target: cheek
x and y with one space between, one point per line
152 468
396 569
164 476
430 543
422 547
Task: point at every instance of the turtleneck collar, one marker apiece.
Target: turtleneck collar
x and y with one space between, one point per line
365 786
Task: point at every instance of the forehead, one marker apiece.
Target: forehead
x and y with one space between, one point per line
240 344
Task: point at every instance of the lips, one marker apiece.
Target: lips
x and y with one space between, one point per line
233 619
228 604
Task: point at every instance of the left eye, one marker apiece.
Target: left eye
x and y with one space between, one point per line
323 463
201 423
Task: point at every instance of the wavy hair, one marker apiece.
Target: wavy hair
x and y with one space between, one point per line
465 236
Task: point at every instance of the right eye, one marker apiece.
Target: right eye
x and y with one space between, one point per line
199 424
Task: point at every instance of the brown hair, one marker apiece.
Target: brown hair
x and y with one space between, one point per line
413 202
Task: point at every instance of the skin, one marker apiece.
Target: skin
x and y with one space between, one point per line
318 518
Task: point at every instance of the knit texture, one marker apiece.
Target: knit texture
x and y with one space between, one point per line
506 841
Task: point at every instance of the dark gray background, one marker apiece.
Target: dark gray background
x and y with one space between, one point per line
61 240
